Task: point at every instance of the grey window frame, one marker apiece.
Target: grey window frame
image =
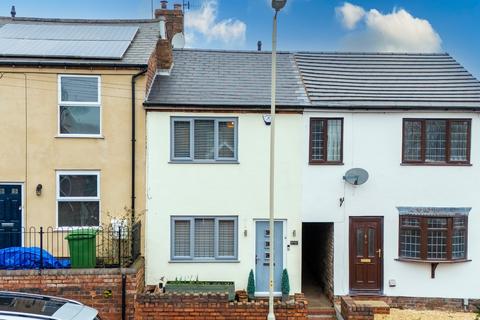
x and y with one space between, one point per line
216 257
216 158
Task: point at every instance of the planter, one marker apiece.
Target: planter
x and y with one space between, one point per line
202 287
285 297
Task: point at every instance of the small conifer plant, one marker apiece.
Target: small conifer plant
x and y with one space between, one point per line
251 286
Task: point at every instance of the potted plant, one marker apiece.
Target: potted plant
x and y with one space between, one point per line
285 285
251 286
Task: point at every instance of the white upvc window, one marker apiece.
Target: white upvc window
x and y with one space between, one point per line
79 106
78 199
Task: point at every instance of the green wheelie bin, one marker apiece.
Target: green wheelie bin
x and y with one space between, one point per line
82 244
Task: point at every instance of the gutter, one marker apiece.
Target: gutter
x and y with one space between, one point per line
70 64
132 205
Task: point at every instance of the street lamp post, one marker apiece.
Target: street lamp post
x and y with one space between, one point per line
277 5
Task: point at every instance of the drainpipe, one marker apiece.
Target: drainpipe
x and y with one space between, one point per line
134 79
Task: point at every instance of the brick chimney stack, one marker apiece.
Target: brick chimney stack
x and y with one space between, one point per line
173 18
162 58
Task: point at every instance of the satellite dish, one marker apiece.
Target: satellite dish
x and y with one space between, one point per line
178 41
356 176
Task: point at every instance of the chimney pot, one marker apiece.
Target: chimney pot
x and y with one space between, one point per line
13 12
163 4
259 45
177 6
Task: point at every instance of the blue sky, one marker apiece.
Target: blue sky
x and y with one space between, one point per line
321 25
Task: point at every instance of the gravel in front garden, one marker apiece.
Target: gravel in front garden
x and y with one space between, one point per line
397 314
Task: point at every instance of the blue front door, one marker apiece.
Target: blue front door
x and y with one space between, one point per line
262 256
10 216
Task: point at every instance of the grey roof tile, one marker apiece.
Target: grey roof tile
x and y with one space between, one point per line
137 53
317 80
387 80
228 78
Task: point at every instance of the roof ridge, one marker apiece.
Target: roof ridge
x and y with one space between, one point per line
75 20
442 54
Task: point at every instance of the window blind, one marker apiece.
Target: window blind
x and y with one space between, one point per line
182 238
204 137
181 143
204 238
226 238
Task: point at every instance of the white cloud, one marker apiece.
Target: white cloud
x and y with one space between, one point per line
203 23
350 15
397 31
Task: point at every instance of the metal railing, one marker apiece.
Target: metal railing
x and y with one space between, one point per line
49 248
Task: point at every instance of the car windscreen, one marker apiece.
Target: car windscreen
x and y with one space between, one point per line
44 307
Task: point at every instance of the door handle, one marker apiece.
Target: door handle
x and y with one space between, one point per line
379 251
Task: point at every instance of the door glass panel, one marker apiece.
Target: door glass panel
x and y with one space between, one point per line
360 235
2 191
371 242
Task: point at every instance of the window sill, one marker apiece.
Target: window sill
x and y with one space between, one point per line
204 261
80 136
432 261
326 163
444 164
204 162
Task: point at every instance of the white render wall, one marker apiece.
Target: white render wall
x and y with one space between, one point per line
223 189
373 141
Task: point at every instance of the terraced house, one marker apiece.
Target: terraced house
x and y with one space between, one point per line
401 225
73 125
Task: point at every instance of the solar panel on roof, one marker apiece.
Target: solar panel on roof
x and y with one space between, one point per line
74 41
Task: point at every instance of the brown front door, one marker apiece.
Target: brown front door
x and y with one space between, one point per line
366 252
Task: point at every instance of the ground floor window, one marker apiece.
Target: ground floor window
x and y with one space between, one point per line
78 198
204 238
433 238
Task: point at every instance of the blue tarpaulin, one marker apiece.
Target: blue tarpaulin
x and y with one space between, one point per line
16 258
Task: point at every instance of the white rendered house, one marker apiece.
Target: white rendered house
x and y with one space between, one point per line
409 120
208 170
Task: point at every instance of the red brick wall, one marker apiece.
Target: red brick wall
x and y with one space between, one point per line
85 285
157 306
420 303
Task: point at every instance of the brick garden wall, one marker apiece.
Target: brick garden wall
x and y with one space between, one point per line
157 306
420 303
89 286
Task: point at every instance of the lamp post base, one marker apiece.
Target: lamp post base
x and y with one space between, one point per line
271 316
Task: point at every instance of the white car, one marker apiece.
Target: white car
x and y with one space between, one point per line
26 306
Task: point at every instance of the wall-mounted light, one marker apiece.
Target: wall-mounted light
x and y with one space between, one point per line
38 190
245 232
294 233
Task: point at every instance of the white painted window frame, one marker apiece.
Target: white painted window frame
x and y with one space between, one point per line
96 104
78 199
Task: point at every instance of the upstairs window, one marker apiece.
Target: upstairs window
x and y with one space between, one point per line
433 238
79 105
204 238
436 141
326 141
204 139
78 198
